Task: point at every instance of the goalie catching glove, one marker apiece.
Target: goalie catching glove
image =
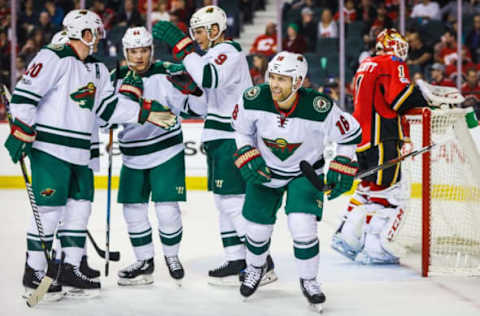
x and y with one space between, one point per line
173 36
132 86
341 174
157 114
251 164
19 142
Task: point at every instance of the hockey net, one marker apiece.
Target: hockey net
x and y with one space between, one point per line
443 186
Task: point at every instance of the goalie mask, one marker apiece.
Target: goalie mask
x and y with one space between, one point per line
207 17
291 65
391 42
77 21
137 37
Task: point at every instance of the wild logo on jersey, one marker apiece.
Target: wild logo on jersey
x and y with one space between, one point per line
47 192
85 96
281 148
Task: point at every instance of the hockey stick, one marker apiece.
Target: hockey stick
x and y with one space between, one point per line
309 172
109 181
114 255
42 288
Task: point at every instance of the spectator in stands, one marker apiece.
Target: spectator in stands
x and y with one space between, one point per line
161 13
27 20
20 65
46 27
447 49
106 14
327 28
56 13
438 76
426 9
366 12
175 19
473 40
257 72
382 20
349 12
180 9
308 28
4 51
471 90
294 42
129 16
29 50
266 44
307 83
142 6
418 54
449 11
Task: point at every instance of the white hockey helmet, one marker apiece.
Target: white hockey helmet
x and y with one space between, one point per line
136 37
207 17
288 64
77 21
60 38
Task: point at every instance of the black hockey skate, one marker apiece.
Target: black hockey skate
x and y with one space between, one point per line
32 279
269 276
253 277
87 271
138 273
77 283
175 268
312 291
227 273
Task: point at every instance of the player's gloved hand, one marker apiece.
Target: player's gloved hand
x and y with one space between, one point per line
132 86
251 164
173 69
19 142
155 113
341 173
173 36
185 84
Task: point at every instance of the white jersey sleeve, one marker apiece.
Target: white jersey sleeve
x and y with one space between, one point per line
41 75
244 126
344 130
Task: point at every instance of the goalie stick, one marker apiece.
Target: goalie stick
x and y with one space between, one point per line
309 172
50 276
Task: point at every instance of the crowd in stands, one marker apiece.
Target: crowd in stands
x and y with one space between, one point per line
309 27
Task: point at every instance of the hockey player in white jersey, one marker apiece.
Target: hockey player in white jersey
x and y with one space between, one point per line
224 75
55 106
277 125
153 159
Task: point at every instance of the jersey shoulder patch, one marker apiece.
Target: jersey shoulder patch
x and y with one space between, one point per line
61 50
313 105
258 97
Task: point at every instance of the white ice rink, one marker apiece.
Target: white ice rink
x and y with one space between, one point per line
350 289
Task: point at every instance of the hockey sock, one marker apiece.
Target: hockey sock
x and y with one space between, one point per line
139 230
303 228
258 243
73 232
49 216
232 225
169 227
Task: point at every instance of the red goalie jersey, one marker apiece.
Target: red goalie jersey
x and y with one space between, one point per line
382 91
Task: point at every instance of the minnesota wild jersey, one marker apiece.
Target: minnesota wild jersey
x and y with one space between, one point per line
62 97
146 146
286 138
224 75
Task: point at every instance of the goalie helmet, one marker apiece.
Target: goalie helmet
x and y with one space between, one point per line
136 37
77 21
207 17
60 38
390 41
289 64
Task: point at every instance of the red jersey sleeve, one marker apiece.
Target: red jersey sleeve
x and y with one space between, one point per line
396 82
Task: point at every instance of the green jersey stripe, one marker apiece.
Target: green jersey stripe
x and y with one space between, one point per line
143 150
207 76
109 109
103 101
63 130
29 92
148 139
62 140
216 76
218 125
18 99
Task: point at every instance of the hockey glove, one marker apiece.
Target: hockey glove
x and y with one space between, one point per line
173 69
251 164
132 86
19 142
341 173
157 114
173 36
185 84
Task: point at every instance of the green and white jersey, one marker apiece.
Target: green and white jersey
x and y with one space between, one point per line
224 75
62 97
147 146
285 139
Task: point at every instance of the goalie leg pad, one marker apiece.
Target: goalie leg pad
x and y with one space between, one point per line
169 227
348 240
139 229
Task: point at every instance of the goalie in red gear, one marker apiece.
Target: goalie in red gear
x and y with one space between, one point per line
382 93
